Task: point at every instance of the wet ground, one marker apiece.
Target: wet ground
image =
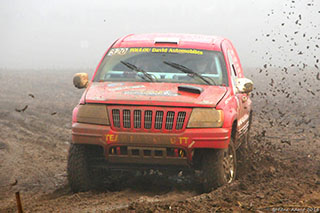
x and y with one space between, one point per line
281 168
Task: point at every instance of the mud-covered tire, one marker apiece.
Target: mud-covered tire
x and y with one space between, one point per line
245 146
214 171
81 176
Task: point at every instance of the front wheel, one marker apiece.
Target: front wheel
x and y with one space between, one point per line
219 167
80 170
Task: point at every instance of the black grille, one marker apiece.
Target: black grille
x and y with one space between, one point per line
147 119
170 120
137 119
159 120
180 120
116 117
156 119
126 118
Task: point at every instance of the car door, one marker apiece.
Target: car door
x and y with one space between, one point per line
235 72
244 99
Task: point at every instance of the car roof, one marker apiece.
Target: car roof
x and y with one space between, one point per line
196 41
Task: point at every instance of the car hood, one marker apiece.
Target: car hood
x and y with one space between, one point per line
160 94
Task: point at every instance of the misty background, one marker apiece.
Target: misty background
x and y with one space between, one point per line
43 34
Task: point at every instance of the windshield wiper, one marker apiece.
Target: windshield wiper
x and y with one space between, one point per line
136 69
186 70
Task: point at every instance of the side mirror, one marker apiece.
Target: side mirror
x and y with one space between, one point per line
80 80
244 85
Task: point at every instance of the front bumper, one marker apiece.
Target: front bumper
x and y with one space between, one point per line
149 144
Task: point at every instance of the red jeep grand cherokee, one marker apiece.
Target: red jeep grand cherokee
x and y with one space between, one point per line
161 101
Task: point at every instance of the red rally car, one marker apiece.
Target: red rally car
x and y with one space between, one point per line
161 101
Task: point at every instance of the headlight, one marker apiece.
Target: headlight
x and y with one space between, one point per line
93 114
205 118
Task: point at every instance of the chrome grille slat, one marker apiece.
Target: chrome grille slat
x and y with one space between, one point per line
137 119
116 117
158 120
147 119
169 120
180 120
126 118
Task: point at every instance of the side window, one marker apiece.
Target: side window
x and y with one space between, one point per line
233 72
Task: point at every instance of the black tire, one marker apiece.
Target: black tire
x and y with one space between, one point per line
81 176
219 167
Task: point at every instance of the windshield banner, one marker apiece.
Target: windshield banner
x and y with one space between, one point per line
123 51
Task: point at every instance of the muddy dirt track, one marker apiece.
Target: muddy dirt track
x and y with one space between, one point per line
281 168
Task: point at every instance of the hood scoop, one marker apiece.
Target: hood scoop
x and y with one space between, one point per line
166 40
191 89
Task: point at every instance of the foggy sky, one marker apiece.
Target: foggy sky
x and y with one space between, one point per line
44 34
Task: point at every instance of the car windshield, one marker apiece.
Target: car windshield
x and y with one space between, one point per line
163 64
